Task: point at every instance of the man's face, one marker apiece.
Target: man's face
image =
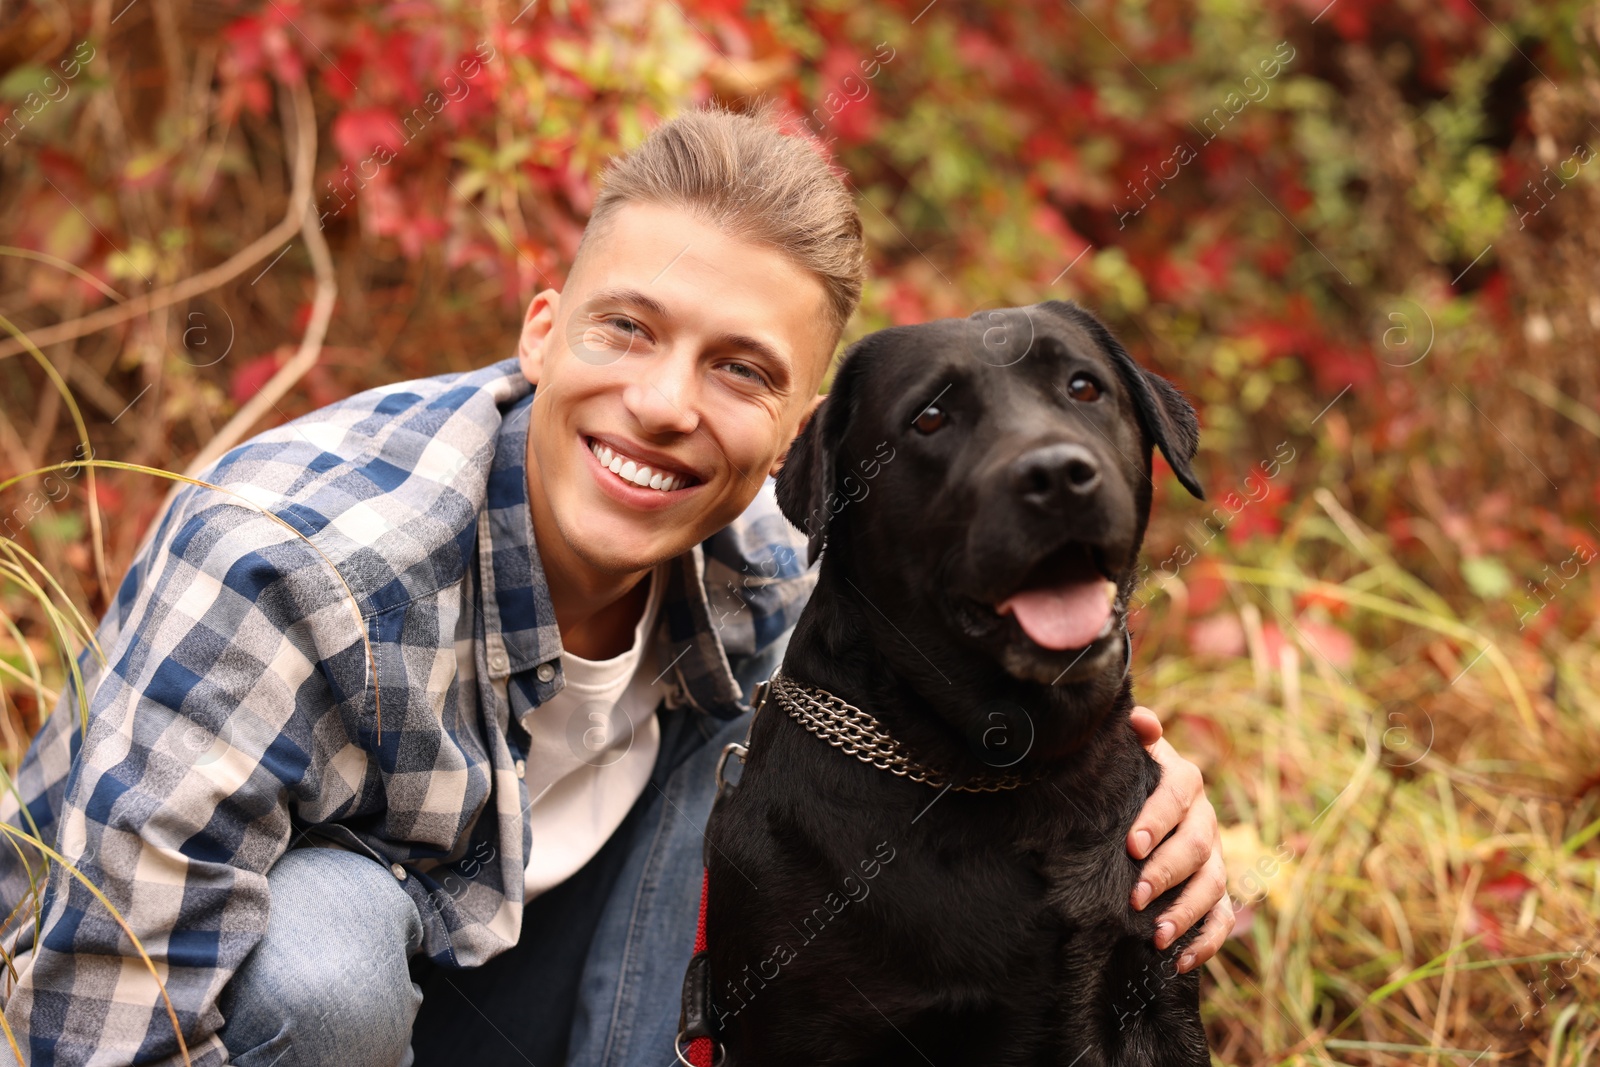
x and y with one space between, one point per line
677 348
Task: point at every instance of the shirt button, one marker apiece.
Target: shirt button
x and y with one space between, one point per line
497 661
521 768
399 871
545 672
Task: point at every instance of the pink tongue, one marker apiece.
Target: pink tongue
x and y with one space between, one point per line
1068 616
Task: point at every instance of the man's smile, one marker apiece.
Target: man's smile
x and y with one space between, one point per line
638 476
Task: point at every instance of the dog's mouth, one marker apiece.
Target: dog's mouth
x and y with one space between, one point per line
1066 600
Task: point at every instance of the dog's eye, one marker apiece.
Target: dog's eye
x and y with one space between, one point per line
931 419
1083 389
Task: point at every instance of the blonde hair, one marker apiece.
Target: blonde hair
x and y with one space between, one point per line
743 174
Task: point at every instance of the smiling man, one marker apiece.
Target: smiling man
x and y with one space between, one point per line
405 731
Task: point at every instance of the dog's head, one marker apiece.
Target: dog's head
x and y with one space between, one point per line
985 484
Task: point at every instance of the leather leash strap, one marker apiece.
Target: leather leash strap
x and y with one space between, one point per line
694 1017
700 1050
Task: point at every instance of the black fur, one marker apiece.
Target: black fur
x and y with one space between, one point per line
860 918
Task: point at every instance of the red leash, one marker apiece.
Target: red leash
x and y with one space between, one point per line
700 1047
695 1018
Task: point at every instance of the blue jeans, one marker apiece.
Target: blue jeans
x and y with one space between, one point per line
595 980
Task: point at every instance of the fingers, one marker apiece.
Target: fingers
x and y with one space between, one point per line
1205 889
1219 924
1186 852
1146 725
1173 799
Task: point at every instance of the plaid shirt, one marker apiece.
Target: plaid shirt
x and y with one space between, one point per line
242 712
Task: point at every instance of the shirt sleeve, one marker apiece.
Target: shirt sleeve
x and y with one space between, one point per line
241 657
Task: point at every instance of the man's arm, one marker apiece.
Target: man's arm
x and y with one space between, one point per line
200 735
1196 848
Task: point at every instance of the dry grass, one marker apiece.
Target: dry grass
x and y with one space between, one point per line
1416 864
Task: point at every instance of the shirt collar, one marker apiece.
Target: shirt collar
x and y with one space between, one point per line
520 622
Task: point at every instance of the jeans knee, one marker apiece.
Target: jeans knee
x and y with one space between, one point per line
323 1024
342 993
330 982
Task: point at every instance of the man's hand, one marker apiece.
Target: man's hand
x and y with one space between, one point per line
1180 800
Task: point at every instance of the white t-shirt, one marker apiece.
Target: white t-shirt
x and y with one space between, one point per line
592 748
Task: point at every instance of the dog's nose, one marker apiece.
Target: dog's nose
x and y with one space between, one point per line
1056 475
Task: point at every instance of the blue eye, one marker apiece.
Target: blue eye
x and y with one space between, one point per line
745 371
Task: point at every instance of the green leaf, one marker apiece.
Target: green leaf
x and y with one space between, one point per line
1486 576
65 527
26 79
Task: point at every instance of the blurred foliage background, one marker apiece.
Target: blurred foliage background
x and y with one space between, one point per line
1361 234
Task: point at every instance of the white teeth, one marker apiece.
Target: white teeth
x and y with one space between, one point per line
633 471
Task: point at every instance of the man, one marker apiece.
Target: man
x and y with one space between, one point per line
436 677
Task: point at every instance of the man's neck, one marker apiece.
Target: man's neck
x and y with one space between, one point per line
597 611
598 628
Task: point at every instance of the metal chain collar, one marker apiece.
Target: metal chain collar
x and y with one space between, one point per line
856 733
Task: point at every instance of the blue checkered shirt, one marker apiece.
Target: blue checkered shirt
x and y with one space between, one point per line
337 649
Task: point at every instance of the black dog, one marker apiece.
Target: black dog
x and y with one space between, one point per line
948 884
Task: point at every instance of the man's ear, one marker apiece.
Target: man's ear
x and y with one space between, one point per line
1167 416
806 478
536 327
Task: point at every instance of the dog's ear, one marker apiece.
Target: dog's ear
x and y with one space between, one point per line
806 479
1167 415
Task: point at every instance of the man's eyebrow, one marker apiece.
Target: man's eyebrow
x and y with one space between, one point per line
744 342
632 297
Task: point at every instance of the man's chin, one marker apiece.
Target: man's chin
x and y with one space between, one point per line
614 544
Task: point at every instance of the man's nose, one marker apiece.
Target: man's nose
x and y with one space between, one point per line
662 393
1055 477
